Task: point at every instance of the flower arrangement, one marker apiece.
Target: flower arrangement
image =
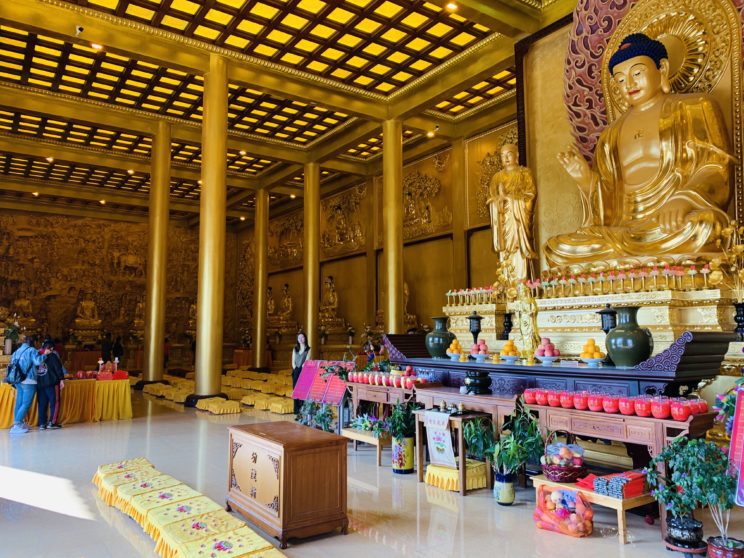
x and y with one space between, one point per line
338 370
370 423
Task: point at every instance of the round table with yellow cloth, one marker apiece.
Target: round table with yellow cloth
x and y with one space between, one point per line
81 401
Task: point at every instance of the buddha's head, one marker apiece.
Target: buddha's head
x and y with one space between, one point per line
640 68
509 156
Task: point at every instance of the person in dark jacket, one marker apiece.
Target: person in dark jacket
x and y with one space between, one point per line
300 353
49 382
118 349
106 346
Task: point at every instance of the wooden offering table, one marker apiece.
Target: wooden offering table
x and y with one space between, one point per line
377 394
456 423
499 407
288 479
618 504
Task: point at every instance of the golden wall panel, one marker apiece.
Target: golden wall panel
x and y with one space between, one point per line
483 160
558 207
245 280
343 222
352 280
482 259
285 240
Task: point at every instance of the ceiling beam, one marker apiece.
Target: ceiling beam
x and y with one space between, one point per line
341 142
511 19
486 59
424 124
486 119
70 211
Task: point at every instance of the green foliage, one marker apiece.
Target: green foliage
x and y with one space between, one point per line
13 332
338 370
520 442
369 423
478 436
382 366
402 421
726 406
694 474
307 412
315 415
508 455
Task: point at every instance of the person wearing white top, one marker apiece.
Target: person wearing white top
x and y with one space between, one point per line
300 353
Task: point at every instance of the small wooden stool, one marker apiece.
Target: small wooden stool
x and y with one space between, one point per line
368 438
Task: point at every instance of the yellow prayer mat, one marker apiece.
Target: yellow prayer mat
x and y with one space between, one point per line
281 406
241 543
126 492
141 505
155 389
107 489
223 407
159 517
449 479
119 466
194 529
203 403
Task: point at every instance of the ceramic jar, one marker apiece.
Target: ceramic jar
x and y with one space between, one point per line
439 340
628 344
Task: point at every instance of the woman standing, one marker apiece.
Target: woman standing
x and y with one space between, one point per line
49 382
299 356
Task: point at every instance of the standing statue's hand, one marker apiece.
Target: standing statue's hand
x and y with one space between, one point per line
576 166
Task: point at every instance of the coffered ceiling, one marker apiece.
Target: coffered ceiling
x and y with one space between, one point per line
84 82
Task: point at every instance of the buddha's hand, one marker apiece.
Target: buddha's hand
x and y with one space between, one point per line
673 215
576 166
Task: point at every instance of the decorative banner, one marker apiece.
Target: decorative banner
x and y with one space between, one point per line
312 385
440 439
736 450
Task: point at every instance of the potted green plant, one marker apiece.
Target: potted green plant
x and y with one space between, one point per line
479 437
323 418
401 425
307 413
690 474
520 442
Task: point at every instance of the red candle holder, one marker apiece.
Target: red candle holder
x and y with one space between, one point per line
610 404
567 400
554 398
595 402
695 406
642 406
681 410
626 406
581 400
703 406
529 396
661 408
541 396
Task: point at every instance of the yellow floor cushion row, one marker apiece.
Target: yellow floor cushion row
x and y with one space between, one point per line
281 405
182 522
223 407
155 389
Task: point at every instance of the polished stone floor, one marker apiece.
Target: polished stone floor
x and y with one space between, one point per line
48 506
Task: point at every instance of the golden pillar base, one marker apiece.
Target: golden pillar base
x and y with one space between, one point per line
570 321
492 325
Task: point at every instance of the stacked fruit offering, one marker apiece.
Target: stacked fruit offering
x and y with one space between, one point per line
454 349
547 349
509 349
590 350
479 348
403 379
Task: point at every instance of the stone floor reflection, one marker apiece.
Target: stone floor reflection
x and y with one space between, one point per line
390 515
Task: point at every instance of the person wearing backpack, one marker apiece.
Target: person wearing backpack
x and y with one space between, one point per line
49 382
27 359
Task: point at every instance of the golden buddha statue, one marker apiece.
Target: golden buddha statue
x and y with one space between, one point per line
660 182
329 307
525 311
270 304
87 313
286 304
23 312
511 200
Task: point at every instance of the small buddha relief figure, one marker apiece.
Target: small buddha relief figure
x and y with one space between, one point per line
286 305
660 180
525 310
22 306
329 318
511 203
270 304
87 313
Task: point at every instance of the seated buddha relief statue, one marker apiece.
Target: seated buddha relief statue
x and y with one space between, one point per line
87 313
660 181
329 307
23 312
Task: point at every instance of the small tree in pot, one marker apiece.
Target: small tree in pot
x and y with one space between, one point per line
690 474
402 427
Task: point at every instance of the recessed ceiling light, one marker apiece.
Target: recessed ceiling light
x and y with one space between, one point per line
432 133
242 218
50 159
96 46
292 196
35 194
130 172
102 202
451 6
198 182
243 153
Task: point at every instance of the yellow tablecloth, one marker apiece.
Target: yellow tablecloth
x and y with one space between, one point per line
81 401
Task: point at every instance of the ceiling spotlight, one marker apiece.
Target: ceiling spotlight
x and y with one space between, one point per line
130 172
35 194
243 153
96 46
451 6
242 218
292 196
50 159
199 182
432 133
102 202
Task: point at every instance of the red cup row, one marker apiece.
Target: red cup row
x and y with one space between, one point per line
660 407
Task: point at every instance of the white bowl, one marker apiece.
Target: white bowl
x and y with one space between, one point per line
546 361
480 358
510 359
453 356
593 362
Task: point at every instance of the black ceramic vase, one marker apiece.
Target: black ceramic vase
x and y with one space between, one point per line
685 532
439 340
478 382
628 344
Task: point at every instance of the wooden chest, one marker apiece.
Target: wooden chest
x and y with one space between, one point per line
288 479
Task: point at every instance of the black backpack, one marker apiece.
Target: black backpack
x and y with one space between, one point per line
15 374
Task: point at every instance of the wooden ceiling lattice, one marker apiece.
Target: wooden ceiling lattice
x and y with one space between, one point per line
372 147
377 45
480 93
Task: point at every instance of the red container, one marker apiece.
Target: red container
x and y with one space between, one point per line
703 405
610 404
567 399
626 405
661 408
681 410
595 402
642 406
554 398
695 406
529 396
581 400
541 396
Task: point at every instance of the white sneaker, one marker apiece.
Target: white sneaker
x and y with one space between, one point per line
17 429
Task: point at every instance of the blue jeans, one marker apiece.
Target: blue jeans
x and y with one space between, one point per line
24 397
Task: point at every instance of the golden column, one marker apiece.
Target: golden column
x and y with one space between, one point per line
261 280
210 296
157 255
392 222
311 256
459 220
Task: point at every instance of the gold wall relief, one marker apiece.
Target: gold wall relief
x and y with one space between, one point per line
285 241
343 227
424 212
483 160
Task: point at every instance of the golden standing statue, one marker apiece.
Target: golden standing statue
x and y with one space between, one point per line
270 304
286 304
511 201
525 310
660 182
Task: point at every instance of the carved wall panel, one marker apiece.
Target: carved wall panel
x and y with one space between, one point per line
343 227
483 160
285 240
245 279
